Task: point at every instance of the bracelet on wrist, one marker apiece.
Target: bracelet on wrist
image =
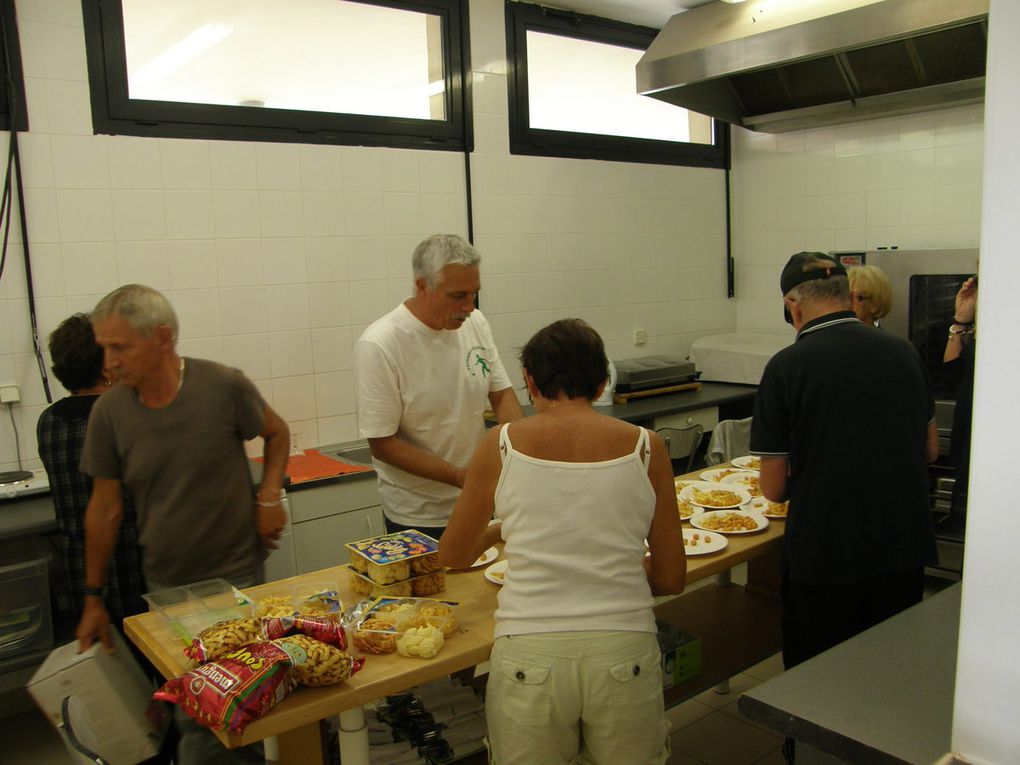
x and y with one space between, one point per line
260 503
99 592
959 323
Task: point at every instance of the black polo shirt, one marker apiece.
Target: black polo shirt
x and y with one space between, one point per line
850 406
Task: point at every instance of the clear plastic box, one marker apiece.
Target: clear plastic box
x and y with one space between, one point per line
193 607
364 620
419 586
26 619
394 557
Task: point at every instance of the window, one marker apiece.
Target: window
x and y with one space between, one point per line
313 71
12 101
572 94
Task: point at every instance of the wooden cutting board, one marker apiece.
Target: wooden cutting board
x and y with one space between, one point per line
313 464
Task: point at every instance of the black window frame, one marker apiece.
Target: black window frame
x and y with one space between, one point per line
114 113
524 139
11 73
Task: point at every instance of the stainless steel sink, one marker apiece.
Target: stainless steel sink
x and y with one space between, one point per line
359 454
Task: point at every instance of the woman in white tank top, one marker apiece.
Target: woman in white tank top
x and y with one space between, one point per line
575 666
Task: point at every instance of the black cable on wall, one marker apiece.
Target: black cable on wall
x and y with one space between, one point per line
14 169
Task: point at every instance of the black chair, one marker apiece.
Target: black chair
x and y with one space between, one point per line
682 445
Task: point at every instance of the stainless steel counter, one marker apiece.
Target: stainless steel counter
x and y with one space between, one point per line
885 696
30 515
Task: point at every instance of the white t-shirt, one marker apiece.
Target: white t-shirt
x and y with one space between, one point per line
431 388
574 536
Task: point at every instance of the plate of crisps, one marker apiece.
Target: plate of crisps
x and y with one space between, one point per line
730 522
683 483
486 558
496 573
688 509
748 462
746 479
721 474
715 496
768 508
703 543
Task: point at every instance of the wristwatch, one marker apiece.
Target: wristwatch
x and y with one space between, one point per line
99 592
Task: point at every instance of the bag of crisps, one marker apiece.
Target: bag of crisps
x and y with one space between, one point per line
230 692
323 629
224 637
316 663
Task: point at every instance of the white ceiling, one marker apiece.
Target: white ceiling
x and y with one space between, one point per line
649 13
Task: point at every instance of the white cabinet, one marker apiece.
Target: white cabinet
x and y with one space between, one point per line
320 543
707 418
325 518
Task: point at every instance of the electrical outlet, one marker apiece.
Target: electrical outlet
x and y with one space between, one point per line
9 394
640 337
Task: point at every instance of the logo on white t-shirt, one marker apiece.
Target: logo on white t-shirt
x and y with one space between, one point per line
478 362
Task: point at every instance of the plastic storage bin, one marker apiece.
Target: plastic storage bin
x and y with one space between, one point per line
26 619
193 607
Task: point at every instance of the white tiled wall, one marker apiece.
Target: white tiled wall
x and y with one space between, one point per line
912 182
277 255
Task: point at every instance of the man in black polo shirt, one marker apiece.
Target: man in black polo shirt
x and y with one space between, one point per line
844 424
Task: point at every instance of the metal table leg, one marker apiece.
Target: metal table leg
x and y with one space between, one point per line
353 737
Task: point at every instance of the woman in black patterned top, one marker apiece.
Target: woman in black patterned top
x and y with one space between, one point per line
78 364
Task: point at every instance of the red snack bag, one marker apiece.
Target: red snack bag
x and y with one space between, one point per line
230 692
320 628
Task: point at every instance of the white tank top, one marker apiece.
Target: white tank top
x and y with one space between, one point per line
574 536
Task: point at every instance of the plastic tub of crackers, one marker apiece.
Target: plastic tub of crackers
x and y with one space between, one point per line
418 586
394 560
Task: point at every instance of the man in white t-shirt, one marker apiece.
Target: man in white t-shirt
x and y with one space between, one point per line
424 374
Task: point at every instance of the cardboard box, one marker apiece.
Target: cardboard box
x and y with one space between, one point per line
108 698
681 654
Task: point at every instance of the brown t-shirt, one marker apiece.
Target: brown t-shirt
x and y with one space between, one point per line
187 472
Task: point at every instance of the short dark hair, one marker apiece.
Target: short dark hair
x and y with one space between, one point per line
77 359
567 356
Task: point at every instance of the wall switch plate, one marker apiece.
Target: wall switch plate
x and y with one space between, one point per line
640 337
9 394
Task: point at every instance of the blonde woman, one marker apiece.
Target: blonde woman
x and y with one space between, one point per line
870 293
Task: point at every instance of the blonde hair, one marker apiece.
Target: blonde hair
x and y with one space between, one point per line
872 283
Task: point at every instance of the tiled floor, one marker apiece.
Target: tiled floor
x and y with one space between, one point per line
707 730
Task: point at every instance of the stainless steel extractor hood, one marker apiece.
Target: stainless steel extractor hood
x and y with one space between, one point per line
778 65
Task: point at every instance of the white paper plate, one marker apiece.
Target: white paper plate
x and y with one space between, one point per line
486 557
762 506
715 542
748 462
697 510
746 479
689 494
721 474
496 572
702 521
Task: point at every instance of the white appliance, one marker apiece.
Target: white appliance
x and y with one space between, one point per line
737 357
282 562
14 484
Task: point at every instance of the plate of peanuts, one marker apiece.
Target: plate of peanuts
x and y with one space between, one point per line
703 542
730 522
